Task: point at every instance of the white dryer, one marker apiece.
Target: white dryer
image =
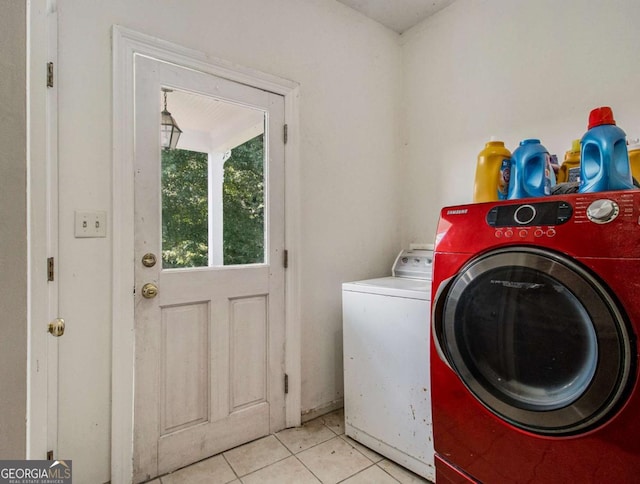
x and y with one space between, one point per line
387 395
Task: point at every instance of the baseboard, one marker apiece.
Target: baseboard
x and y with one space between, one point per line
322 410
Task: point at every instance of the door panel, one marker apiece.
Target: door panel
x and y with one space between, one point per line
209 366
185 370
248 351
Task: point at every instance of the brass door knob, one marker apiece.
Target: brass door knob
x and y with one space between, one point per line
56 327
149 290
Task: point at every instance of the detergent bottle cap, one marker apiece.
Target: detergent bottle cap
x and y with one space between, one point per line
600 116
529 141
494 141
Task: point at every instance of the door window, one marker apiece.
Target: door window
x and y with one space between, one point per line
213 184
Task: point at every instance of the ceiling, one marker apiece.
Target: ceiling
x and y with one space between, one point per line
210 124
398 15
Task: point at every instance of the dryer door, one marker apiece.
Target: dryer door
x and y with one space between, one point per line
537 340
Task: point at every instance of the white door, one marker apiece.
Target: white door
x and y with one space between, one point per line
209 347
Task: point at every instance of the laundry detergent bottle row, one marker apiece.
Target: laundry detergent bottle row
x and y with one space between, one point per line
489 185
531 172
604 160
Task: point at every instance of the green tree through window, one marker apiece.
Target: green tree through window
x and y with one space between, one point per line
243 201
184 209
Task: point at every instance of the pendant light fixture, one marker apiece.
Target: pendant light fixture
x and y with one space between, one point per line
169 131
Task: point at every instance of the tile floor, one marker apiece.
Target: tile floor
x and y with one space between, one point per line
317 452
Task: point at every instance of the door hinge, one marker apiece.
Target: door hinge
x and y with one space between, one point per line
50 269
285 258
286 383
49 455
285 133
49 74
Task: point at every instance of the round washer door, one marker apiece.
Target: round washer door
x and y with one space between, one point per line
536 339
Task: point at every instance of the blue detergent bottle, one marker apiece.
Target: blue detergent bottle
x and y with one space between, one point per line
604 160
531 172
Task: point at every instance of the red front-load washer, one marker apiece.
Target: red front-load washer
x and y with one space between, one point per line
534 361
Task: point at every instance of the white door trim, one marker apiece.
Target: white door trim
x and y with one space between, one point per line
126 44
42 235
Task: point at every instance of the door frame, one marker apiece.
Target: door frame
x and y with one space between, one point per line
126 45
42 229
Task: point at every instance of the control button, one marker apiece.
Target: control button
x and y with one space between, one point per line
602 211
492 216
405 260
508 233
564 212
523 233
551 232
524 214
538 233
499 234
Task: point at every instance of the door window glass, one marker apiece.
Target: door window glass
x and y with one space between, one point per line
213 184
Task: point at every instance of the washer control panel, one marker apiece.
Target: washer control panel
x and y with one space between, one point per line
414 263
530 214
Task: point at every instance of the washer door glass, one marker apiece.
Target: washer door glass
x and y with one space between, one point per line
537 339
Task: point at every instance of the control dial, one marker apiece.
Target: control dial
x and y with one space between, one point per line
603 211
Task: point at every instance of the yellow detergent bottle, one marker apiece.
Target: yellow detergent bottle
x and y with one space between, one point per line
488 182
570 168
634 157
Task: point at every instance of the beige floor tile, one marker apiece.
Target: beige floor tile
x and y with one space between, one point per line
335 421
370 476
366 451
210 471
256 455
301 438
155 481
403 475
287 471
334 460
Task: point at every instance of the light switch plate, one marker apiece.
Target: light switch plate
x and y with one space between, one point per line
90 224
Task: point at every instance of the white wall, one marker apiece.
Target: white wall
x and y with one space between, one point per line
13 230
514 69
349 71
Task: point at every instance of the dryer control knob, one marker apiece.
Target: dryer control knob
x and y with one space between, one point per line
603 211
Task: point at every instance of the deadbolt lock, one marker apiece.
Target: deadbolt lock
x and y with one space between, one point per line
56 327
149 260
149 290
